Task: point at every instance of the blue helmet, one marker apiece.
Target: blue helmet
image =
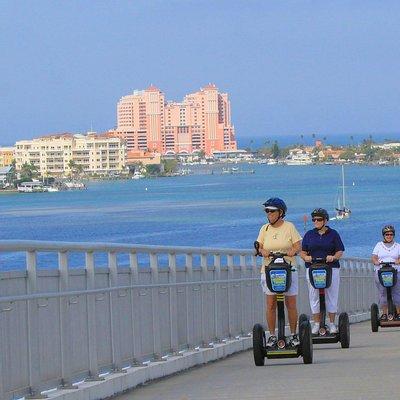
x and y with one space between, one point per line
277 204
320 212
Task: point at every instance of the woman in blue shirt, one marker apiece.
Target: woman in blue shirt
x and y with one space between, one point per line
323 242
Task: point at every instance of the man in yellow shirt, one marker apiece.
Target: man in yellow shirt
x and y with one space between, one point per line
279 236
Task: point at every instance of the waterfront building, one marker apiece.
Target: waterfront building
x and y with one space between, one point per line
6 156
142 157
387 146
6 176
298 157
60 154
201 122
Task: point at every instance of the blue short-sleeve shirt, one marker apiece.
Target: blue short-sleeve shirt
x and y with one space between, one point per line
320 246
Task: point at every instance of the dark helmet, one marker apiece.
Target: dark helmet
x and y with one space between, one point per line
320 212
275 203
388 228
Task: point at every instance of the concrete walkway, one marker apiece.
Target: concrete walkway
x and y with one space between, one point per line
370 369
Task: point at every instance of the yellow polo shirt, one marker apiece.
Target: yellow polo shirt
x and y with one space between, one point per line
278 239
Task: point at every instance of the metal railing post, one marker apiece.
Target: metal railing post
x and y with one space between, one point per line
205 314
189 302
91 319
33 329
217 305
115 315
243 300
231 307
173 305
65 326
135 309
155 304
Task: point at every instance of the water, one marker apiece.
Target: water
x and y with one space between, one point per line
203 210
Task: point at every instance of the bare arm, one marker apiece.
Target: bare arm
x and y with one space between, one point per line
262 251
335 257
295 249
375 259
305 256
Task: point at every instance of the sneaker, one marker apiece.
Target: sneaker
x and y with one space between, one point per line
397 318
272 341
315 328
383 317
332 327
294 340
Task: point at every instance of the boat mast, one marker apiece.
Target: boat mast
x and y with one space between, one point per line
344 203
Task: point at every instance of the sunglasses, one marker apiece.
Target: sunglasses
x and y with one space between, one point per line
388 234
317 219
270 211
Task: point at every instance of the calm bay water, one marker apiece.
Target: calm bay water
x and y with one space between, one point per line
204 210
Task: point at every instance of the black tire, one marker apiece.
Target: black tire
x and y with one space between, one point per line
306 342
344 330
302 318
374 317
258 345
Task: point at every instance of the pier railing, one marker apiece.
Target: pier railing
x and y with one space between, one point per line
62 325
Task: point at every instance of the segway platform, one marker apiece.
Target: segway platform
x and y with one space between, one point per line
328 338
388 324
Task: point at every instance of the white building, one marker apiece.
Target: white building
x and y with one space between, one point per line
387 146
91 153
298 157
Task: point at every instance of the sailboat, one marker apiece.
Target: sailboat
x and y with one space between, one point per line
342 211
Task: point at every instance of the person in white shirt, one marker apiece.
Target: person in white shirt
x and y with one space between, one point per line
387 251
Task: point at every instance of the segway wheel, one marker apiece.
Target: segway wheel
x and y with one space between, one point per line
258 345
302 318
306 342
344 330
374 317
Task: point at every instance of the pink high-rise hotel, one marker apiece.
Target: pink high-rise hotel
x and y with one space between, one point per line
202 121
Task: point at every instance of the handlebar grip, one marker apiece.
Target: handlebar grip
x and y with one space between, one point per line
277 254
318 259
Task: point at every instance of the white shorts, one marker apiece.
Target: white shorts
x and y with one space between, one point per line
293 290
331 294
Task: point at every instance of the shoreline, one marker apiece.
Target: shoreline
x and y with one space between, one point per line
8 191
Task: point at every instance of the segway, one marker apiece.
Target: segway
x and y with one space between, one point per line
387 275
278 275
320 274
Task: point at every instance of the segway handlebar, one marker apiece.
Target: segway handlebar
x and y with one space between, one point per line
320 260
276 254
272 254
391 263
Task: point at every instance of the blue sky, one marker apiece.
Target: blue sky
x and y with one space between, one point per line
323 67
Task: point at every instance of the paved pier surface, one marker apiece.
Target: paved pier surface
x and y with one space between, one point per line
370 369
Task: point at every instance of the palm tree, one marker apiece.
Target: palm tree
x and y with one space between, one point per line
29 172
